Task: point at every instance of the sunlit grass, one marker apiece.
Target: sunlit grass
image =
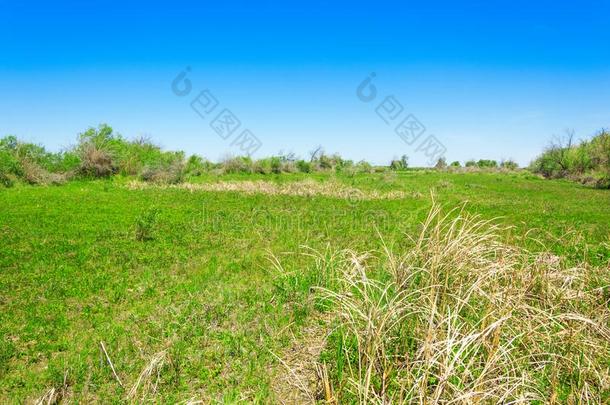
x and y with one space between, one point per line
195 310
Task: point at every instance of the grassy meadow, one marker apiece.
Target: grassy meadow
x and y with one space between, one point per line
113 291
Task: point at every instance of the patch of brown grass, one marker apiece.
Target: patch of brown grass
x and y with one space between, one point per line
33 173
298 379
306 188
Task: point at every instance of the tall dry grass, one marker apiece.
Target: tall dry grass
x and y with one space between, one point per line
462 317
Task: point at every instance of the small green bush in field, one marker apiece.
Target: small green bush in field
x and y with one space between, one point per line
145 224
304 166
509 164
196 166
401 164
441 163
9 167
6 180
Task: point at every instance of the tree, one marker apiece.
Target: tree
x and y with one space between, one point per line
401 164
404 159
441 163
315 154
559 148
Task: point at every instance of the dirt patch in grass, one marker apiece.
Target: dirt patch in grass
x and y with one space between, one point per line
305 188
297 376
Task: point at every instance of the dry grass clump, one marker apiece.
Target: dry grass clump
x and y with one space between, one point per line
461 317
56 394
95 161
33 173
148 380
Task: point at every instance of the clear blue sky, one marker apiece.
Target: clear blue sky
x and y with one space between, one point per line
493 79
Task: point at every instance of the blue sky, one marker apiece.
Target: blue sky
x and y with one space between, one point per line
489 79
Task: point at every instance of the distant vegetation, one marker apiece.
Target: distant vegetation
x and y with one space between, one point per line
101 152
587 161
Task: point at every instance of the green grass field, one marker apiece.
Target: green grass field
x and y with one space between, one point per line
198 292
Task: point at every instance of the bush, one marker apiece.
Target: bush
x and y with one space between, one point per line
196 166
103 153
509 164
96 149
132 156
276 164
455 164
7 179
145 225
239 164
304 166
401 164
171 172
289 167
63 162
95 161
31 162
9 164
564 158
262 166
441 163
487 164
364 167
329 162
470 163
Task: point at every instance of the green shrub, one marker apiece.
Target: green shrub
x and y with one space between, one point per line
455 163
145 225
262 166
328 162
441 163
400 164
289 167
364 167
304 166
509 164
9 164
169 170
63 162
276 164
196 166
97 149
31 163
239 164
487 164
133 156
564 158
